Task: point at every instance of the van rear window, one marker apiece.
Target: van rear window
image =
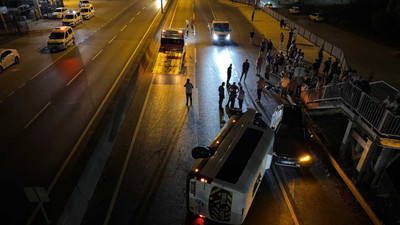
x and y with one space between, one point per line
240 155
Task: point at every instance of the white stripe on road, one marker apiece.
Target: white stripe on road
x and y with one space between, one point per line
173 16
74 77
97 54
131 19
37 115
21 85
212 11
124 28
112 39
10 94
138 13
143 7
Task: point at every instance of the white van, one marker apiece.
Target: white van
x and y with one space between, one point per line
72 18
220 30
87 11
61 38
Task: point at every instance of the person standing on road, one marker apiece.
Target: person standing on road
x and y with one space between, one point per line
189 87
281 23
269 45
221 92
281 41
232 95
229 74
192 25
245 69
259 62
187 23
260 87
296 32
284 83
241 96
251 36
262 45
267 71
289 43
327 66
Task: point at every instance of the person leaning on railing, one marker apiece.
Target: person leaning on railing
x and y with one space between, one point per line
391 103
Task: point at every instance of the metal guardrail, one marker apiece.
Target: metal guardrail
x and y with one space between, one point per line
311 37
368 108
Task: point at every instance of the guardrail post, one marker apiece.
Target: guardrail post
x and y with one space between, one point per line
383 120
360 101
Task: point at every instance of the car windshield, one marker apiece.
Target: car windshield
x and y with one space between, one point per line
84 10
56 36
58 10
84 2
69 16
221 26
295 133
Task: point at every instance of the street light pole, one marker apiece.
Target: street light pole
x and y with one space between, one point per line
162 7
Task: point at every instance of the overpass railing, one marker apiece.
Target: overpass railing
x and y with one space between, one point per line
368 108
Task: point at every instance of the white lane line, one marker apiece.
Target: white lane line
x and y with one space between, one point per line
10 94
124 28
74 77
173 16
20 86
70 49
112 39
97 54
212 11
143 7
138 13
285 196
131 19
37 115
195 55
116 190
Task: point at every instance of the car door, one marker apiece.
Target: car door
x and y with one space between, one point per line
6 58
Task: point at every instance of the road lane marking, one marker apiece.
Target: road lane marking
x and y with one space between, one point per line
124 28
143 7
195 56
74 77
97 54
285 196
112 39
173 16
37 115
116 190
21 85
53 62
212 11
131 19
11 94
138 13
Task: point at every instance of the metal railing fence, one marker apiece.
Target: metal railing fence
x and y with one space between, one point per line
368 108
311 37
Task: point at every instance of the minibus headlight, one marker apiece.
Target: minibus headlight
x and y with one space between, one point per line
215 37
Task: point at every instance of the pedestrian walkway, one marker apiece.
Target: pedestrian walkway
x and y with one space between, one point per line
270 29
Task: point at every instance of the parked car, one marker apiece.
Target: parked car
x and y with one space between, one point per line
72 18
61 38
59 13
269 5
292 139
317 17
8 57
87 11
294 10
83 2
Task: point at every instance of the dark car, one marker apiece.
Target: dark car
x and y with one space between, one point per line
292 139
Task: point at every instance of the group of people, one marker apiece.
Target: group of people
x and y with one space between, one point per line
191 23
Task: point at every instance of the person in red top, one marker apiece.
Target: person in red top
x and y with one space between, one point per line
192 25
